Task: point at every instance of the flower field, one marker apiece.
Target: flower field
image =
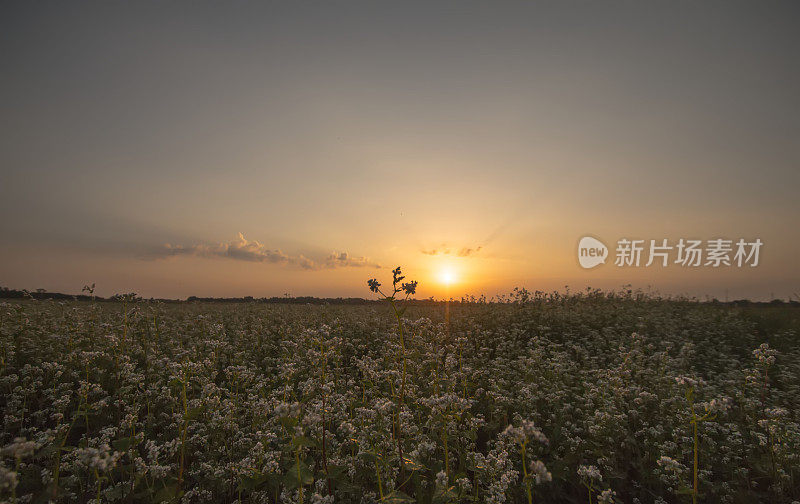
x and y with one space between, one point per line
594 397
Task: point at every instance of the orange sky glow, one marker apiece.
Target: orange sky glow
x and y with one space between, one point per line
268 149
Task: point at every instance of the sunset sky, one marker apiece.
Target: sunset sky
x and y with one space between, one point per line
237 148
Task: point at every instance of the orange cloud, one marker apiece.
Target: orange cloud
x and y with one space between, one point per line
445 250
243 249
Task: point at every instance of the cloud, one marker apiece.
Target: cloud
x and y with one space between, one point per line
343 259
466 252
243 249
445 250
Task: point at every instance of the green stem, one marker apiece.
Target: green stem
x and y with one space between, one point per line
378 474
57 469
525 475
446 455
97 477
299 477
402 391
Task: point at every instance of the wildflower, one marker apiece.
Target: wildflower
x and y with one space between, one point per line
397 276
540 472
531 431
717 405
101 459
373 284
410 287
687 381
765 355
606 496
463 484
589 473
776 412
20 448
670 464
526 430
8 478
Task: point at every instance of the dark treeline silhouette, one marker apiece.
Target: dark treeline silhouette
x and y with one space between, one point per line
281 300
518 296
40 294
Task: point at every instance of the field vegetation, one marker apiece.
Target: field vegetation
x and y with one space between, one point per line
590 397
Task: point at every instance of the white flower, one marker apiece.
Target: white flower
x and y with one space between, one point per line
670 464
8 478
589 473
540 472
606 496
20 448
765 355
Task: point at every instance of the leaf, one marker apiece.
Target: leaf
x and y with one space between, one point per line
337 473
115 493
253 482
192 413
122 445
167 494
299 441
369 456
298 474
343 485
45 496
288 422
444 494
412 464
397 497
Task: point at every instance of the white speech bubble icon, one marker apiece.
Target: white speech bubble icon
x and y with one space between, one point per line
591 252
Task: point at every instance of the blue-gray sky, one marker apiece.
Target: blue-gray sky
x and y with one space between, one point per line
338 136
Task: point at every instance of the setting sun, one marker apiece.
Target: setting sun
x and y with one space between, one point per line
447 276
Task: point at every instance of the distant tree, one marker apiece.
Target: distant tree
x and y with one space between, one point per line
129 297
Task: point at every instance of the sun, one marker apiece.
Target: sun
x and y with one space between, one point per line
447 276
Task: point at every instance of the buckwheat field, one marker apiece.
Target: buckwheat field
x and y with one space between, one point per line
592 397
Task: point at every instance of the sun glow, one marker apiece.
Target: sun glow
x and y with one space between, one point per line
447 276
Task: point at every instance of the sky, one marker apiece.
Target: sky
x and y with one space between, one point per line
252 148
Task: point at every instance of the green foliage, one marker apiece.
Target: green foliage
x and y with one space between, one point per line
545 398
